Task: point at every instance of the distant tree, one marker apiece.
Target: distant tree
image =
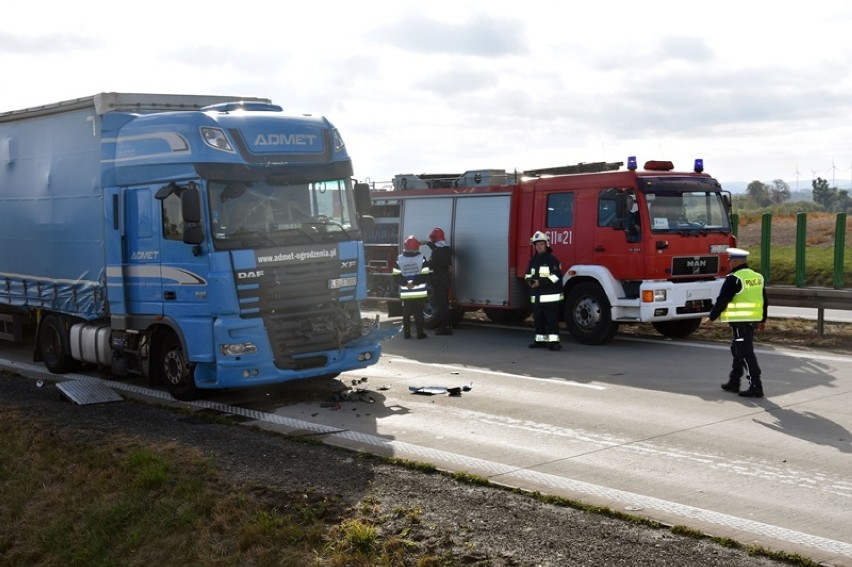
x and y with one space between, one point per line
780 191
759 193
831 198
822 193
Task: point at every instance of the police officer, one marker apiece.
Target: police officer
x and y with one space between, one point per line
440 261
742 304
411 274
544 277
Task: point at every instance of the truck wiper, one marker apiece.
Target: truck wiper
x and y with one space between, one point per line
322 220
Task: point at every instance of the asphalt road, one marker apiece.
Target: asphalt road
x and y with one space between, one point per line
637 425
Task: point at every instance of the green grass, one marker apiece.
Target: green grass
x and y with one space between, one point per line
72 497
819 266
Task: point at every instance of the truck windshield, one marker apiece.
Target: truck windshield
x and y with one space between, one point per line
685 205
263 213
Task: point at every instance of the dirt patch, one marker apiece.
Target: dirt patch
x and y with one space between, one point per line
820 228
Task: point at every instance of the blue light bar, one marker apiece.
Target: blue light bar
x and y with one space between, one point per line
631 163
699 165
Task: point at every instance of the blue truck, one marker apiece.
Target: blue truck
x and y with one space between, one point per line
199 242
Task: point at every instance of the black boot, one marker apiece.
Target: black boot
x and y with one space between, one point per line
538 344
755 389
732 385
406 334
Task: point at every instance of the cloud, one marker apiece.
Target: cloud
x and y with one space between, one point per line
480 36
44 44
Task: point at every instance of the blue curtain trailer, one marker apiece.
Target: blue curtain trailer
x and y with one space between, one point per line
201 242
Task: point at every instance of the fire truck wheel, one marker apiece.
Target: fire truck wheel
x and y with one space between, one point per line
588 315
178 374
679 328
53 344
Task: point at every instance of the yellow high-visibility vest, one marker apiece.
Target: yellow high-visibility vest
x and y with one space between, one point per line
747 304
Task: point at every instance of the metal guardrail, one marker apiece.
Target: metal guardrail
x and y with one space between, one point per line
819 298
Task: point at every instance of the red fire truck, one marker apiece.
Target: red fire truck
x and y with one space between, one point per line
635 245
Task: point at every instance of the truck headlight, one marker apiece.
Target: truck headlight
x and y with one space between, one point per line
238 349
652 295
215 138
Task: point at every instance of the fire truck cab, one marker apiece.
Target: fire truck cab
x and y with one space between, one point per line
636 246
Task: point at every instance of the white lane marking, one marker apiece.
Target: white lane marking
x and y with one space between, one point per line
504 472
727 347
456 367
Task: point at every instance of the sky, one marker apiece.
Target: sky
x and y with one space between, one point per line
758 90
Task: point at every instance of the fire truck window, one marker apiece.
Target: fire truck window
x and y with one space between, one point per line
608 209
560 210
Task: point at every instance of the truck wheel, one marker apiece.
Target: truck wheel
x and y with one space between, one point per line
679 328
588 315
178 374
430 314
54 345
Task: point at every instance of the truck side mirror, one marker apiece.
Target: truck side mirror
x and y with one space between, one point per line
363 202
190 205
190 210
368 226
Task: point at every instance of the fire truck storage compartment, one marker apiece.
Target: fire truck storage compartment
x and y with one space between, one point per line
483 178
476 227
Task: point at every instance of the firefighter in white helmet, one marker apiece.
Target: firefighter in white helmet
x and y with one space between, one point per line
544 277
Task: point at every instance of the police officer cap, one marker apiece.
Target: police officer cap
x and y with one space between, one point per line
735 253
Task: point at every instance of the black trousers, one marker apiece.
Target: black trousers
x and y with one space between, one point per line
742 349
412 308
546 319
441 299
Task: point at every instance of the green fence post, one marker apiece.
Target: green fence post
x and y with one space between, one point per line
735 224
801 245
765 245
839 249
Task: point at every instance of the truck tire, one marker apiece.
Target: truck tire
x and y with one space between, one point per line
177 373
679 328
54 345
588 315
430 314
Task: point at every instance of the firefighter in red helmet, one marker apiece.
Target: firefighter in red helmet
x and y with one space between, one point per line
412 275
544 277
440 261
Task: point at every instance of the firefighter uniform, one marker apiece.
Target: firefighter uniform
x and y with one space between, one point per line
544 276
742 304
440 262
411 274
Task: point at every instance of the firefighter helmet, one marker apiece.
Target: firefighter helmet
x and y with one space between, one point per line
540 236
411 244
437 235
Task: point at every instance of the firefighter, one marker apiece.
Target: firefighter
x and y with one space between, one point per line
742 304
440 261
544 277
412 274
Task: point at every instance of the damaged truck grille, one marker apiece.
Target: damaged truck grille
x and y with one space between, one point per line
301 316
